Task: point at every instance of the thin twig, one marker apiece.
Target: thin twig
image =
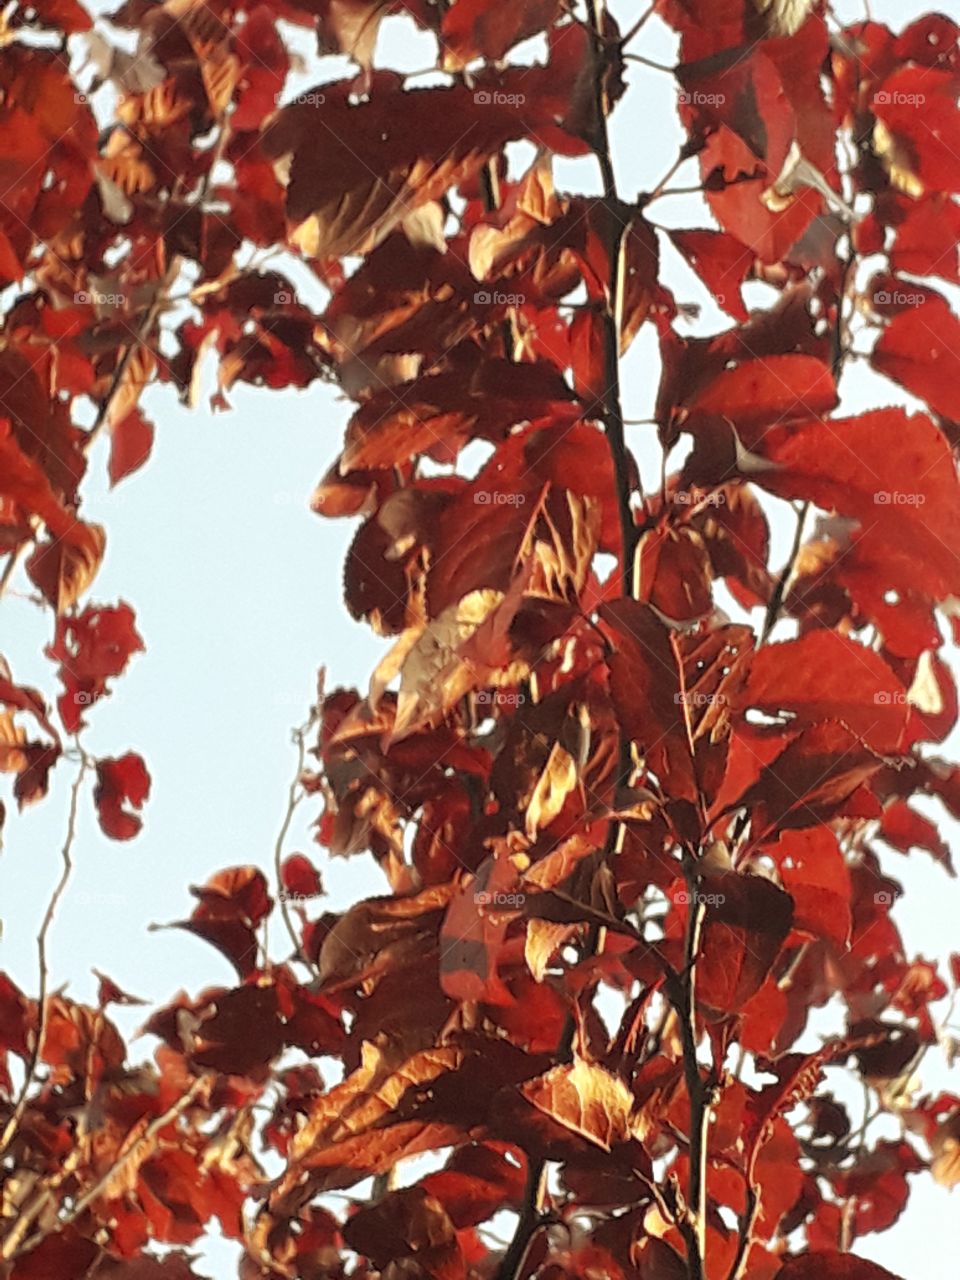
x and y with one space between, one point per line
81 1205
638 25
693 1225
748 1221
649 62
532 1215
294 796
10 568
612 316
66 855
775 606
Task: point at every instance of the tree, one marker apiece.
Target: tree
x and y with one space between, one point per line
630 841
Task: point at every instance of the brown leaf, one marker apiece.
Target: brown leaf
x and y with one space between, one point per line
823 1264
543 939
409 1226
65 567
586 1098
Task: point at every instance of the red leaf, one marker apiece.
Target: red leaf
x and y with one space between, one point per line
823 676
756 393
589 362
928 239
723 264
64 567
91 647
808 782
917 109
474 930
230 906
300 878
828 1265
905 829
747 921
122 785
675 573
131 440
488 28
478 1181
64 1253
894 473
920 349
265 55
109 993
237 893
815 874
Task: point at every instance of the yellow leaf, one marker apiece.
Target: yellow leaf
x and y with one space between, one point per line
558 779
543 939
586 1098
64 568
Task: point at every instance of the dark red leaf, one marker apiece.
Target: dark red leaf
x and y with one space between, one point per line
123 786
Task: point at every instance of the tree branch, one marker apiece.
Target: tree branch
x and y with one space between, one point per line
612 314
83 1202
294 796
66 853
532 1211
775 606
693 1224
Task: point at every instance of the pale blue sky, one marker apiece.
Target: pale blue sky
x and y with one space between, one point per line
236 586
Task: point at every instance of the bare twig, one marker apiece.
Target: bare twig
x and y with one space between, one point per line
10 568
66 855
693 1225
638 25
295 795
775 606
83 1202
612 409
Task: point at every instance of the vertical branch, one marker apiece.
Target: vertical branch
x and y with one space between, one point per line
66 855
699 1090
611 408
693 1222
611 413
775 607
294 796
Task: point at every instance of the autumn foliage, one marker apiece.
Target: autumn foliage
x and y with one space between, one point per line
631 786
